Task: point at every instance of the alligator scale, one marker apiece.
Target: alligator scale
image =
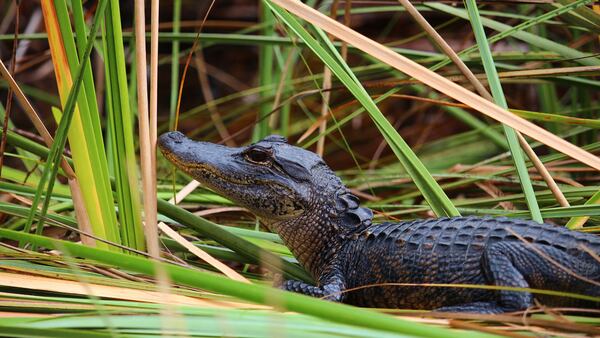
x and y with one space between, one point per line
295 194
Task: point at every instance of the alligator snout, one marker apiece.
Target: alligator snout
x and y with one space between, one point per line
186 152
169 139
175 145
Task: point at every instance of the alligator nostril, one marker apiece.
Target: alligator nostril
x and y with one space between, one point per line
169 139
176 136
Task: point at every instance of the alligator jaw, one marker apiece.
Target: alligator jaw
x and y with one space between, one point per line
224 170
210 164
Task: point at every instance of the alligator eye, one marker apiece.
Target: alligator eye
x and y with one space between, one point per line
258 156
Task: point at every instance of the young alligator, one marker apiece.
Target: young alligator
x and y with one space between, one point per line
295 194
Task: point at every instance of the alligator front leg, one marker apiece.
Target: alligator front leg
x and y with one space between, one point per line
331 286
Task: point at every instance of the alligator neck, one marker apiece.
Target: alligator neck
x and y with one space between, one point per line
313 240
316 236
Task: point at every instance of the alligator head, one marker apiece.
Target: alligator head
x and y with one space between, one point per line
290 189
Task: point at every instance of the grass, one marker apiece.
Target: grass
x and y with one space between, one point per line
408 150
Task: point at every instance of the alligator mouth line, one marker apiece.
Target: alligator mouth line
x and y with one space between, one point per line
187 166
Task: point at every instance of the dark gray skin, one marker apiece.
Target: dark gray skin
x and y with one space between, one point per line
295 194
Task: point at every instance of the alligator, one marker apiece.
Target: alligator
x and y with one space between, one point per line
391 265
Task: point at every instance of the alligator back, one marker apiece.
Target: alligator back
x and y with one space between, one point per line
447 251
461 234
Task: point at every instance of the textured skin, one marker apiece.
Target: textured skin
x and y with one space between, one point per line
468 250
296 195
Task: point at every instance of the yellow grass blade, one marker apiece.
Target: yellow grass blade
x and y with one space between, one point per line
104 291
100 213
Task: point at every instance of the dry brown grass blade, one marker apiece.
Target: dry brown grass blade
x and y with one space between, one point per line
324 110
578 70
227 271
213 211
436 81
314 126
274 118
209 99
493 191
543 171
148 175
148 152
325 95
514 74
144 124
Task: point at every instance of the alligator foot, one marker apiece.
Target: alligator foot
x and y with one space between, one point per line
328 292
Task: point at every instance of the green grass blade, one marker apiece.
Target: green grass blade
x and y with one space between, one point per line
174 63
498 94
121 132
265 73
